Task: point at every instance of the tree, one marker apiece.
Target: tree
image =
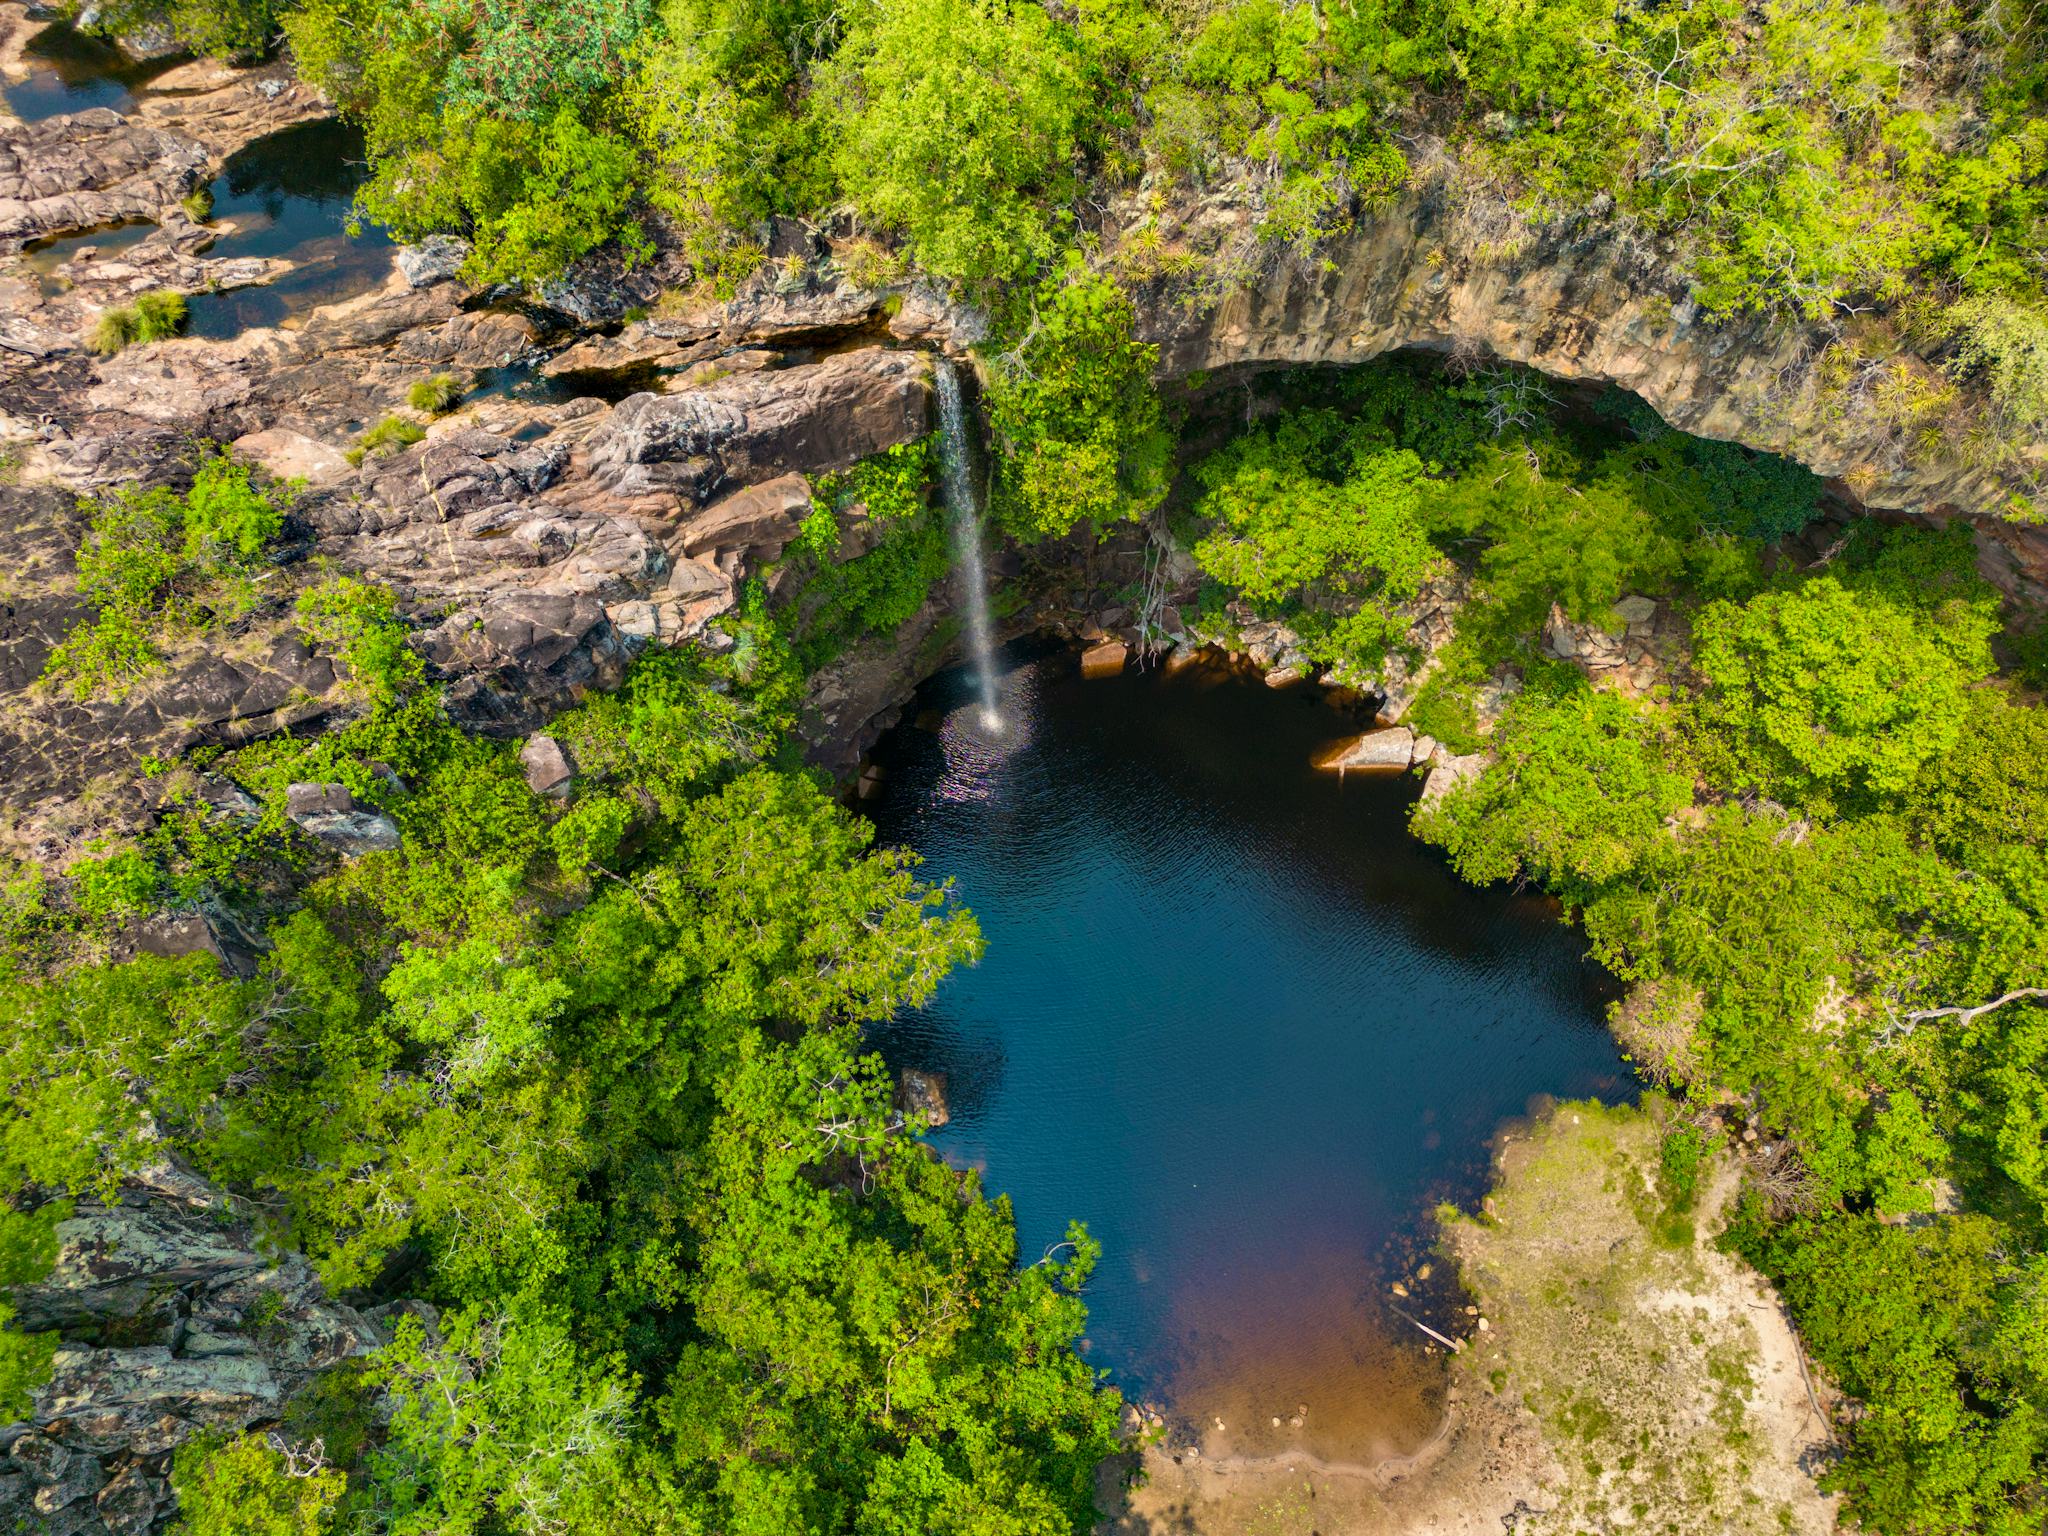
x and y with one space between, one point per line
243 1486
958 124
499 1422
1576 797
1077 424
1828 691
1313 519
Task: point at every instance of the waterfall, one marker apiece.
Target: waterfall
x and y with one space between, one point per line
964 516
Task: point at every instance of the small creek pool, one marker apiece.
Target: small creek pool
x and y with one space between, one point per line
289 195
1237 1020
69 71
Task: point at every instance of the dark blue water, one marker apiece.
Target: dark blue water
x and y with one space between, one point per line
1238 1021
289 195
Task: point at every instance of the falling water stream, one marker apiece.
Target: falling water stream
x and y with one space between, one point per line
964 514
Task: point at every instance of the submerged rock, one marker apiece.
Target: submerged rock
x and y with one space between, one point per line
922 1096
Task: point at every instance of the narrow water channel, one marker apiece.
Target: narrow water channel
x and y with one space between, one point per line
1237 1020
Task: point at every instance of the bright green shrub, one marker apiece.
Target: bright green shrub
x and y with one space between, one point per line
240 1486
390 434
664 734
148 557
503 1414
1577 796
1902 1156
1076 422
1990 789
152 317
1831 692
1555 538
1681 1155
526 60
359 623
709 107
28 1252
435 396
876 592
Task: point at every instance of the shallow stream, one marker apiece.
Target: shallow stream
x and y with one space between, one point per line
1237 1020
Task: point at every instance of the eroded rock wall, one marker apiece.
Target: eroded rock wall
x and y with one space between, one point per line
1591 300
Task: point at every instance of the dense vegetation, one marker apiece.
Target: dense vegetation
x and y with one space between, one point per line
584 1073
1818 847
1878 167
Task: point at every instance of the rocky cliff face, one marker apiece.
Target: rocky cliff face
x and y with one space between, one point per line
173 1321
1591 301
539 534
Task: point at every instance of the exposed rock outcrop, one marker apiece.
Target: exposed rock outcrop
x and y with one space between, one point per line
687 447
98 167
173 1320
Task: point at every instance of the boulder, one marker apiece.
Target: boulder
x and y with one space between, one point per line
1638 613
332 814
81 1478
294 456
645 344
922 1097
601 288
859 532
762 517
436 259
129 1503
1105 659
1450 772
549 768
1588 646
1391 749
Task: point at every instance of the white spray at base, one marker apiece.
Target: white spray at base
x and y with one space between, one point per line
964 517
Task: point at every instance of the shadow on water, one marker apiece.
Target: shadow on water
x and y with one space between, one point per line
1236 1019
289 195
71 72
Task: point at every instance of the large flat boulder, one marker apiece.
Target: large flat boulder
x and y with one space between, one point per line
737 431
762 517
